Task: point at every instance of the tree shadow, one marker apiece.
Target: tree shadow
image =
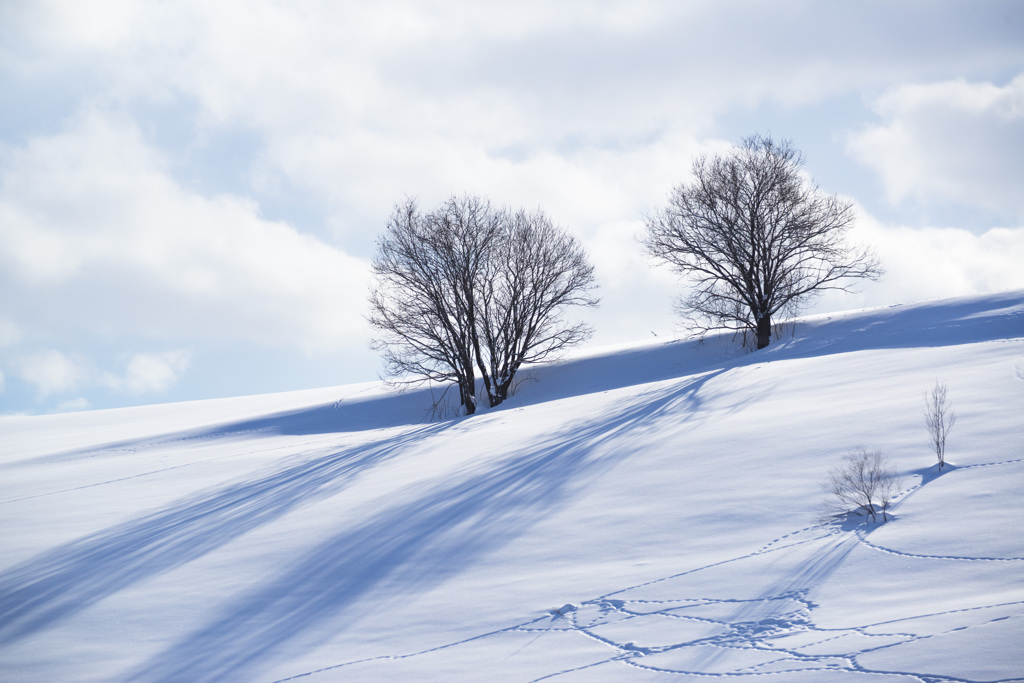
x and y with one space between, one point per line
932 472
940 323
349 414
412 405
409 547
63 581
925 325
773 606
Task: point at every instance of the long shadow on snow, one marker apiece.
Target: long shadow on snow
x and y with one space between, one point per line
412 406
754 618
933 324
61 582
410 546
350 414
941 323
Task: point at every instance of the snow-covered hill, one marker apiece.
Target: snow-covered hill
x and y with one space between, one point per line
647 513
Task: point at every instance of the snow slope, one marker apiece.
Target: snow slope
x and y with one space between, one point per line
638 514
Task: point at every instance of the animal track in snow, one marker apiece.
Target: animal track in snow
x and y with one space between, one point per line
667 626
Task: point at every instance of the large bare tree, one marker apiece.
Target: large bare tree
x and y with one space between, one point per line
469 288
754 239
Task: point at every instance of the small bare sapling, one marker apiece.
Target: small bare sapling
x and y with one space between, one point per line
939 418
865 483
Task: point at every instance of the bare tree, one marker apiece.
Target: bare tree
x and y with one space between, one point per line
939 418
427 268
754 239
538 271
471 288
865 482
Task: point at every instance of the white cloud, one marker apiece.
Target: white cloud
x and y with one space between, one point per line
932 262
267 62
10 333
115 231
51 372
98 239
953 140
364 102
150 372
75 404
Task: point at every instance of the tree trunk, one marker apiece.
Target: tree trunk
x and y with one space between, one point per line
501 392
467 395
503 385
764 331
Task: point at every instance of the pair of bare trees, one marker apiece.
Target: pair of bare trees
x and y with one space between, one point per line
471 291
867 482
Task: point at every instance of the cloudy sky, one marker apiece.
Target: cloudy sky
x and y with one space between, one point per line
190 191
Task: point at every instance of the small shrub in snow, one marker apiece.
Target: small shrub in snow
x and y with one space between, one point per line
939 418
865 482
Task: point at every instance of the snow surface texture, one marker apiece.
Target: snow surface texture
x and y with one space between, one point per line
640 514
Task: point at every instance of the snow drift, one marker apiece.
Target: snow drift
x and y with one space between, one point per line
642 513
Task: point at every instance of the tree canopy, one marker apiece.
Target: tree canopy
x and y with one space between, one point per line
754 238
471 290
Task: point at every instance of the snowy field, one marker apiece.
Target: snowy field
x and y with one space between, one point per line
640 514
